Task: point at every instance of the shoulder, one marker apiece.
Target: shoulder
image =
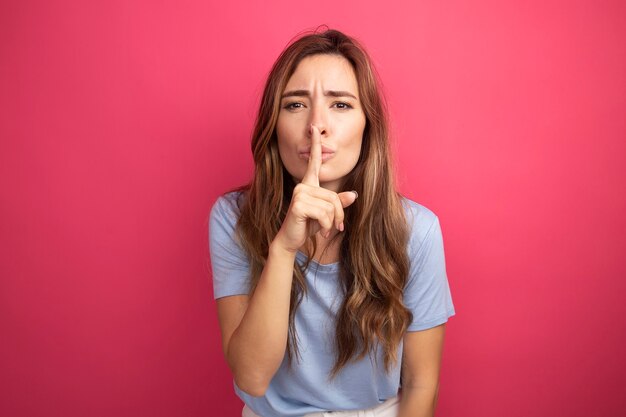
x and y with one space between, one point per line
417 212
421 221
228 205
225 211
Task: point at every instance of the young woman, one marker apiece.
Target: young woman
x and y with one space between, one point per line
331 287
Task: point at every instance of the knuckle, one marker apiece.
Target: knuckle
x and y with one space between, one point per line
297 206
298 189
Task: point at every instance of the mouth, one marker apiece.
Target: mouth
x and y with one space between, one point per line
327 152
325 155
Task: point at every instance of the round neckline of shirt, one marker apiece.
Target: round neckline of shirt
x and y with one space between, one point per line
329 267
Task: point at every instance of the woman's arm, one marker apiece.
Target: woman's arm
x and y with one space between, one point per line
255 328
421 363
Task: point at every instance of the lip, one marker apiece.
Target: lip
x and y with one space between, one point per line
325 155
325 149
327 152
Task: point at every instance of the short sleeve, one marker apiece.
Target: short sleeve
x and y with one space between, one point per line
427 292
230 266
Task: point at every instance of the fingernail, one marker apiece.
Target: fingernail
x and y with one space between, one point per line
356 194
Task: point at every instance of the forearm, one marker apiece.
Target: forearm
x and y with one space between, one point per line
257 347
418 402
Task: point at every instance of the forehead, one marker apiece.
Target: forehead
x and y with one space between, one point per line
331 72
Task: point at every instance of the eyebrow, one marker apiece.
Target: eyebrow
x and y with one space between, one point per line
306 93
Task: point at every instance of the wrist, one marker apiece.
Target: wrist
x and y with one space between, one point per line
278 249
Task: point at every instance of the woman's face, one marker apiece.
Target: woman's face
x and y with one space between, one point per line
323 91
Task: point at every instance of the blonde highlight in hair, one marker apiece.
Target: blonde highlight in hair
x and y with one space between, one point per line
374 263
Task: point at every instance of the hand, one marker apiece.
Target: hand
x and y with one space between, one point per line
312 207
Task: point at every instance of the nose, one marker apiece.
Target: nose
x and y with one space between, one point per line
318 119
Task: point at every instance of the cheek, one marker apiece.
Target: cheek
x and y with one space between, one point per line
356 152
282 138
355 137
280 133
286 146
358 145
285 132
285 155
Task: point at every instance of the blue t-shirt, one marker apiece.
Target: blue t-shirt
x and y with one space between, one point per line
305 388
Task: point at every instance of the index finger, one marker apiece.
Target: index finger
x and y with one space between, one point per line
312 175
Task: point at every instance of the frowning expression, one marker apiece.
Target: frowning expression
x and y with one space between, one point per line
322 91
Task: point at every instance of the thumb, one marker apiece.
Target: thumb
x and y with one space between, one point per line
347 198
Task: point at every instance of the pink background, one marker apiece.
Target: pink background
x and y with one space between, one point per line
121 123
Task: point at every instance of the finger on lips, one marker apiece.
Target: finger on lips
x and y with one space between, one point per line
315 159
311 178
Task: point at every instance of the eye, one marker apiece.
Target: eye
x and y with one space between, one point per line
342 105
293 106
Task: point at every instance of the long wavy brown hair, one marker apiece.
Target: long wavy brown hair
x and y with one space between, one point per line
373 258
